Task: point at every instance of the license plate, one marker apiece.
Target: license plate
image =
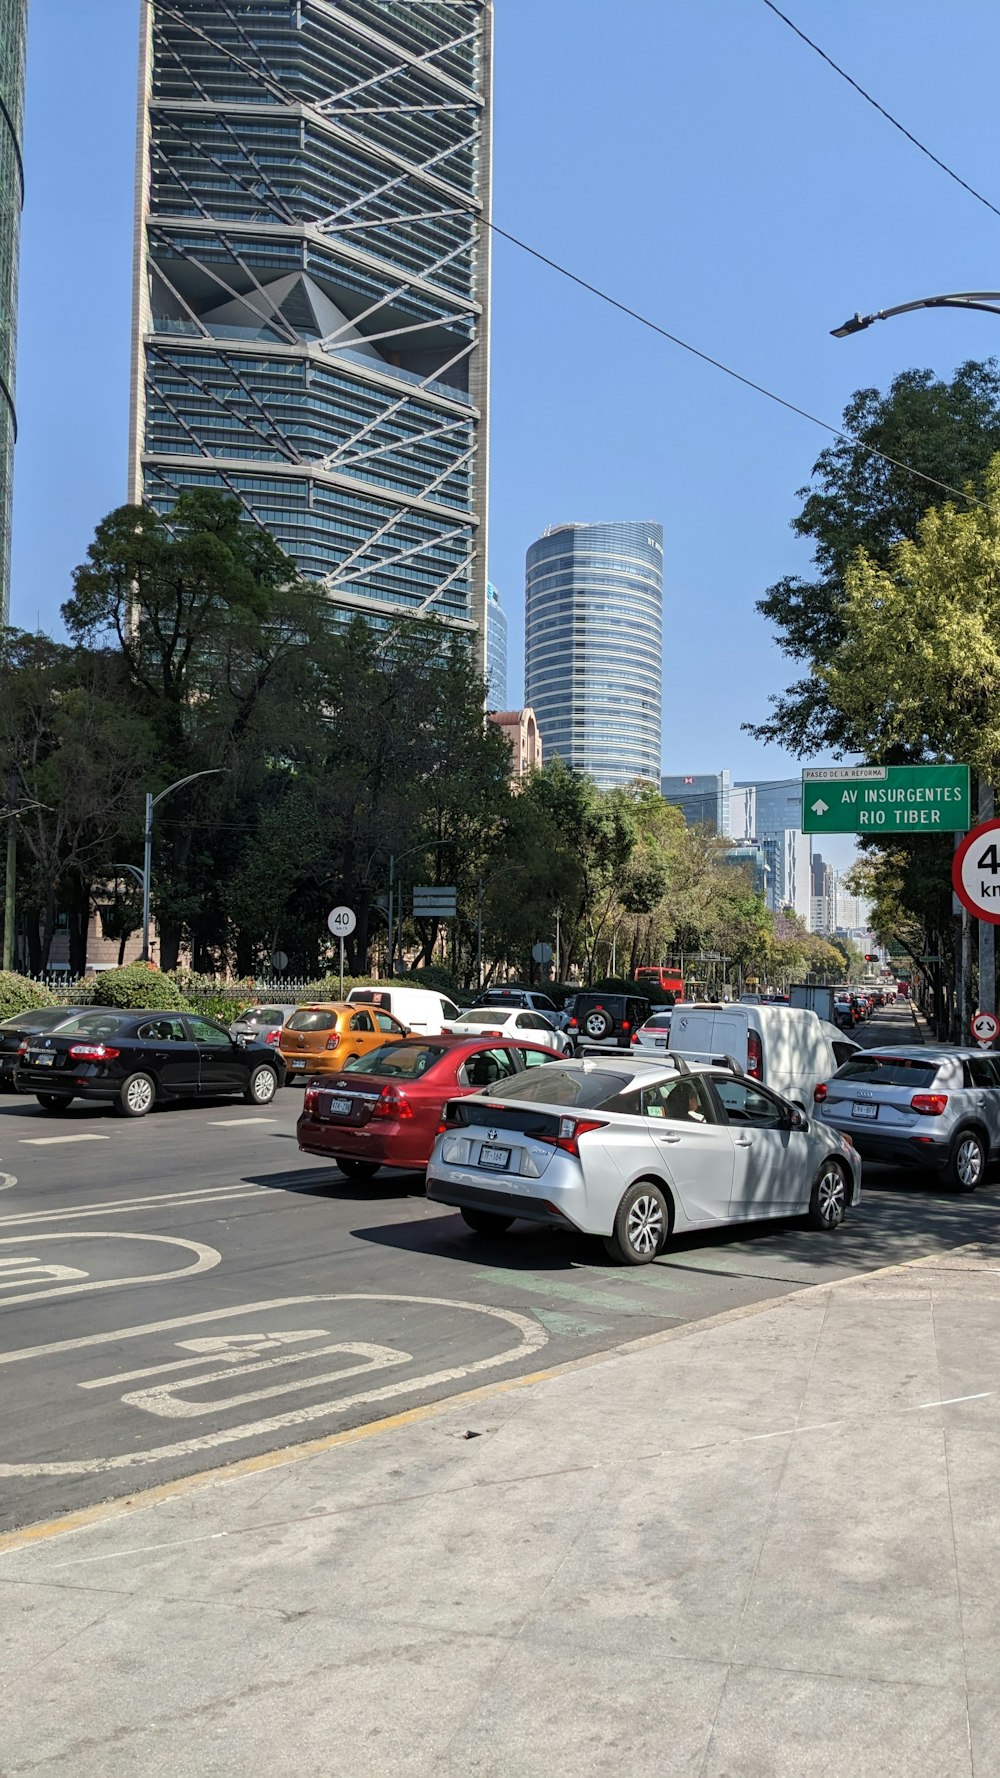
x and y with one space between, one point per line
860 1110
300 1064
660 1043
494 1157
340 1107
43 1061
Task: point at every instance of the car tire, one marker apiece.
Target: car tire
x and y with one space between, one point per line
966 1162
642 1225
54 1101
828 1200
262 1085
137 1096
598 1025
358 1169
486 1222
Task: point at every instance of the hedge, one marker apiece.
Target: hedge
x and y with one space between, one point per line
140 987
18 994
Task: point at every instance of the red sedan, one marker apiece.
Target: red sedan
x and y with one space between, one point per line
383 1110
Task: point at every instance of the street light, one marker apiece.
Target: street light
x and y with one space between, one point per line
986 300
147 851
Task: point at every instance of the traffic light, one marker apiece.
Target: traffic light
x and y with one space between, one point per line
871 956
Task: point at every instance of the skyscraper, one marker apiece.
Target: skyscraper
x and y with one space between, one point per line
496 650
702 797
13 32
311 328
594 647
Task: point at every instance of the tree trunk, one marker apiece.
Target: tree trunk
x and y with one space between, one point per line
79 921
170 934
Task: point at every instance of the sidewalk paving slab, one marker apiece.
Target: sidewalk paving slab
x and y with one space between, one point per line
764 1547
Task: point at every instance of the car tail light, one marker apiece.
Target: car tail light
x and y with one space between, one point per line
23 1047
272 1036
572 1025
626 1025
819 1093
570 1131
929 1104
392 1102
93 1052
332 1042
635 1037
755 1058
311 1101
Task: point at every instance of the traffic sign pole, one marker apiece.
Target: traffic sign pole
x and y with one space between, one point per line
987 937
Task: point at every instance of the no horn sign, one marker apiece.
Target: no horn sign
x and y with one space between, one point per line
975 872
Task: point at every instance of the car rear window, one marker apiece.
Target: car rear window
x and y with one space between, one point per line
258 1015
312 1021
482 1015
95 1024
41 1018
555 1084
398 1060
888 1071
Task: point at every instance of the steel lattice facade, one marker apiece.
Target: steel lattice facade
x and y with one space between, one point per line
312 285
13 31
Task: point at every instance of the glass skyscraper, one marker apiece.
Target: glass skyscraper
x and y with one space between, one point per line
13 32
496 650
312 285
594 647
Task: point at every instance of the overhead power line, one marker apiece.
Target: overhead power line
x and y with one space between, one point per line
910 137
727 370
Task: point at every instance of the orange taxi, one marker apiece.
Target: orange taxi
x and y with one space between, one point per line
320 1038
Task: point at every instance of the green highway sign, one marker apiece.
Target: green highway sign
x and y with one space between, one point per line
885 799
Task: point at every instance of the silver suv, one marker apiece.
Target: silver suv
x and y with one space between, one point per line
920 1107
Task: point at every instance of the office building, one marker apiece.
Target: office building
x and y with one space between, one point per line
702 797
520 730
778 818
13 33
496 650
594 647
311 329
757 857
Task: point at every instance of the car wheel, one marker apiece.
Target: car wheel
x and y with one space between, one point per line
828 1202
486 1222
262 1086
642 1224
597 1025
137 1096
967 1162
358 1169
54 1101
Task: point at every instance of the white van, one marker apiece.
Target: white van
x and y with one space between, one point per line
788 1048
421 1009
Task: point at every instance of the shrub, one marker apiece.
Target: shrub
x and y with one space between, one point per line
139 986
18 994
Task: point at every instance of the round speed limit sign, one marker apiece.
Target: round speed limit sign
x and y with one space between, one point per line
975 872
985 1026
341 922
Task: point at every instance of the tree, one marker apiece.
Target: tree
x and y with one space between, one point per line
947 431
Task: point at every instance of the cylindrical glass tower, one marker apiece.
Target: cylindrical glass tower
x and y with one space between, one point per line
13 31
594 647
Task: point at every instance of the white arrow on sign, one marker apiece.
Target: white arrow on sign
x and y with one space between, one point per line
820 807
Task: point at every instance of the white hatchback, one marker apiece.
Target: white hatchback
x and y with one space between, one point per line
655 1033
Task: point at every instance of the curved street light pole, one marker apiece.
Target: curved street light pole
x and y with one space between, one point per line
988 303
147 850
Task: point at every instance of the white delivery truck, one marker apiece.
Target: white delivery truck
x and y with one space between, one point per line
788 1048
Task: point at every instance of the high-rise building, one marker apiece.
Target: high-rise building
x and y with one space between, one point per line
594 647
778 819
13 34
496 650
311 327
702 797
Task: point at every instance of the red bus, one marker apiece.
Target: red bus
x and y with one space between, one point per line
658 975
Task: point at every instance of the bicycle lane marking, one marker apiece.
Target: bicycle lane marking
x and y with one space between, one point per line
205 1260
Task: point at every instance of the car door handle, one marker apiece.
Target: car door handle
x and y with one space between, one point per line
744 1141
671 1138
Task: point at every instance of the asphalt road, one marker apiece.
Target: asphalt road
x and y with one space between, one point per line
185 1291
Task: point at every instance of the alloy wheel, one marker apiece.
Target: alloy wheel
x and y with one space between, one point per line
644 1228
263 1086
831 1196
969 1161
139 1096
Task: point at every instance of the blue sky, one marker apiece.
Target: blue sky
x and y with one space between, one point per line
693 157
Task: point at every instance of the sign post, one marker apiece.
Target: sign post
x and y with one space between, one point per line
342 922
985 1026
886 799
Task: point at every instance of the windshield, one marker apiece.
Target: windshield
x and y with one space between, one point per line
887 1071
312 1020
407 1061
555 1084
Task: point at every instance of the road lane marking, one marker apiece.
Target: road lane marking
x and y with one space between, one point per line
950 1400
188 1199
51 1141
160 1398
7 1180
229 1346
532 1338
237 1123
206 1259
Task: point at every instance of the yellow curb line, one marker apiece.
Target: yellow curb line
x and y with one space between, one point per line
432 1410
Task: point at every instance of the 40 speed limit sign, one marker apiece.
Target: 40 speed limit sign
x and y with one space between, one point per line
975 871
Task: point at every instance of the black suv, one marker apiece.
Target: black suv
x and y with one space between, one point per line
608 1020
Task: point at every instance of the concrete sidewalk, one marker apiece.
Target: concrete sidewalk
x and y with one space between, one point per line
763 1546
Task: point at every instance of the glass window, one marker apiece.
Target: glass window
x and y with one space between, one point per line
362 1021
748 1105
312 1019
263 1015
867 1069
205 1032
843 1053
408 1061
94 1024
534 1058
556 1084
487 1067
684 1101
386 1023
483 1015
981 1071
163 1031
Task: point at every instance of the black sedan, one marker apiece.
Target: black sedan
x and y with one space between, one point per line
135 1060
19 1025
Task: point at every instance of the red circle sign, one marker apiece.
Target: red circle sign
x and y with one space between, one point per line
984 1027
975 871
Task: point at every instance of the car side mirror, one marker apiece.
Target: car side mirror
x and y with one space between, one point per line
798 1121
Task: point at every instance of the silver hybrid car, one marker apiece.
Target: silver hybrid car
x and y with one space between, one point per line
921 1107
636 1150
